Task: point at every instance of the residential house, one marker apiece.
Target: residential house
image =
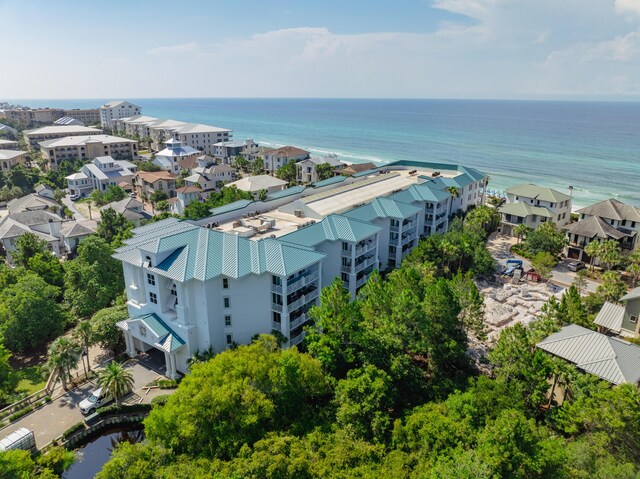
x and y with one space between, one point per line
44 224
130 208
225 151
148 182
621 319
7 131
100 174
184 196
307 169
174 154
533 205
33 202
115 110
88 148
46 191
211 178
354 168
45 133
254 184
275 158
608 220
72 232
611 359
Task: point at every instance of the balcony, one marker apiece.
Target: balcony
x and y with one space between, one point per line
298 321
276 288
394 229
276 325
276 307
303 300
393 241
360 282
365 264
297 339
368 246
303 281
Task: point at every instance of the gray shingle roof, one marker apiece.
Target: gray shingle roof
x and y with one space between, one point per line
30 201
610 317
611 359
612 209
541 193
594 227
524 209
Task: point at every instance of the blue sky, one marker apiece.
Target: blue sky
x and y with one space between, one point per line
322 48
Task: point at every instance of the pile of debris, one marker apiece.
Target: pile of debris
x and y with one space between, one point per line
508 304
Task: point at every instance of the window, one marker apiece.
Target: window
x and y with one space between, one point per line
153 298
277 317
276 280
633 319
229 340
227 302
225 283
345 246
345 277
227 321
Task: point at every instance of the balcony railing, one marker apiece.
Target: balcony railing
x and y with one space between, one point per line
361 281
298 321
298 339
276 325
276 307
394 229
303 300
276 288
365 264
360 250
302 282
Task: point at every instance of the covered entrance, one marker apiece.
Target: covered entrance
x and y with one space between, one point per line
147 334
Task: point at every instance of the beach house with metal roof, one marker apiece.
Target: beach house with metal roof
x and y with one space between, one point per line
188 289
612 359
100 174
175 152
533 205
622 318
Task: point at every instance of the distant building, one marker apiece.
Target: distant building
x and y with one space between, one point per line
88 116
608 220
355 168
255 184
11 158
100 174
171 157
148 182
38 116
8 144
533 205
227 150
87 148
115 110
130 208
68 121
7 131
307 169
621 319
184 196
33 202
210 177
35 136
274 159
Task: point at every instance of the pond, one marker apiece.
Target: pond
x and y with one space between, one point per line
91 457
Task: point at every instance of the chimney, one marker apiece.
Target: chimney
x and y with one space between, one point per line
52 230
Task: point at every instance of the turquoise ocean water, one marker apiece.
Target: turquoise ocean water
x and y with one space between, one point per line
593 146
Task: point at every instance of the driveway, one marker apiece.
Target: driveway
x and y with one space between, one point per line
499 246
71 205
51 420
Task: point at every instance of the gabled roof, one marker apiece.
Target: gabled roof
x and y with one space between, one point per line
612 209
383 208
610 316
541 193
123 204
332 228
329 181
10 228
167 339
594 227
153 176
294 190
524 209
611 359
257 183
421 192
75 229
35 217
356 168
633 294
236 205
288 151
11 154
30 202
201 254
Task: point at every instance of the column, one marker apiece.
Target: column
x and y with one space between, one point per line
131 350
174 368
169 367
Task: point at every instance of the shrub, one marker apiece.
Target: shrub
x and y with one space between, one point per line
160 401
166 383
73 429
21 413
58 459
123 409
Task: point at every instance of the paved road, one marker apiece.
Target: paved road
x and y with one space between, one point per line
71 205
51 420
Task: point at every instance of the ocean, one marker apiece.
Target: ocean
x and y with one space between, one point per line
592 146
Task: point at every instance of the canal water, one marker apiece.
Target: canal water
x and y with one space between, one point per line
95 454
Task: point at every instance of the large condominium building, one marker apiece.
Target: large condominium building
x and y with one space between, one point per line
88 116
88 148
608 220
187 285
11 158
114 110
8 144
195 135
47 116
533 205
37 135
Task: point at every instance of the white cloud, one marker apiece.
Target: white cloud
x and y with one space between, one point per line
628 6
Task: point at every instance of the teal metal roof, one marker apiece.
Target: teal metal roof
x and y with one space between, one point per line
294 190
383 208
329 181
236 205
459 181
332 228
366 172
199 253
423 192
168 339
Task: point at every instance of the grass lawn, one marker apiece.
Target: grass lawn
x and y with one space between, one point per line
32 379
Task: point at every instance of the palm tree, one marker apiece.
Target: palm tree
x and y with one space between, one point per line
116 380
633 267
455 192
594 250
84 334
63 355
521 231
262 194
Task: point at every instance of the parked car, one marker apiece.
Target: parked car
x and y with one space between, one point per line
74 197
93 401
575 266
